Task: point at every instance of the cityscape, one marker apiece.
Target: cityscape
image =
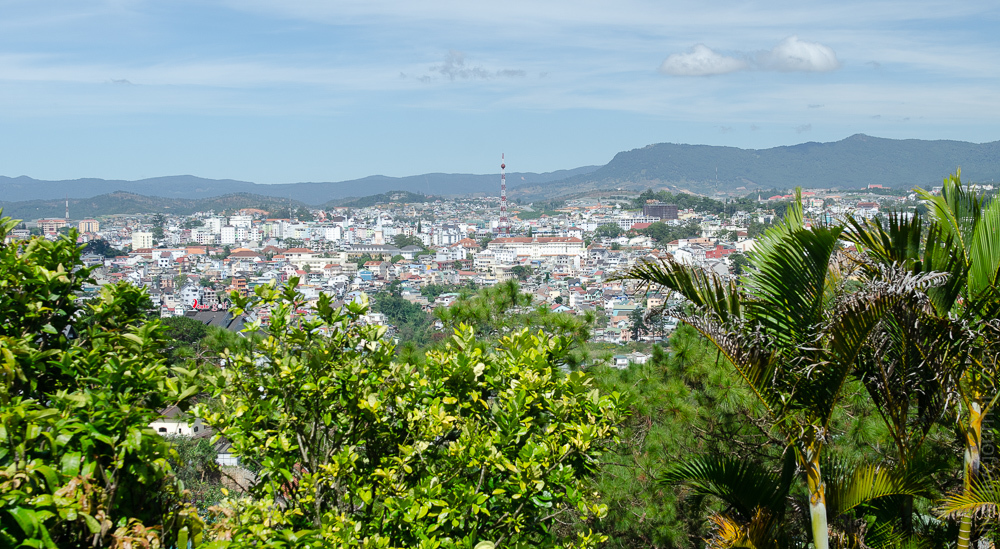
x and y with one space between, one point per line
563 254
643 274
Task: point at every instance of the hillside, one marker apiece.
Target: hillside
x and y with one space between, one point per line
15 189
854 162
130 203
394 197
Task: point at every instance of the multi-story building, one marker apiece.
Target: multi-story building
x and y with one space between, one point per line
227 235
660 211
51 226
538 247
626 223
241 221
88 226
141 240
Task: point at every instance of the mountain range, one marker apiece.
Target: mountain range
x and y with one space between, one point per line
853 162
14 189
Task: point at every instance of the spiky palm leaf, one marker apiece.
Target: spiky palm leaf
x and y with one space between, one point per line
743 485
848 487
982 500
757 499
789 285
759 532
900 240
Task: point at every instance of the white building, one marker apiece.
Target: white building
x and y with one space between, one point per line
189 294
141 240
538 247
241 221
175 422
214 225
227 235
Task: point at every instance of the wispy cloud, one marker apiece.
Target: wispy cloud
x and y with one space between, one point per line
454 67
791 55
803 128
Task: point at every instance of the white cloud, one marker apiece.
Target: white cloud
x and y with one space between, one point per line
791 55
701 61
794 55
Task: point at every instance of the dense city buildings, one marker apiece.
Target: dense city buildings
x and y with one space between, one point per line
564 257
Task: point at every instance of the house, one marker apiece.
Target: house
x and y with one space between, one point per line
175 422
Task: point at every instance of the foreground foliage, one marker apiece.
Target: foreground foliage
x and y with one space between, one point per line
469 446
79 465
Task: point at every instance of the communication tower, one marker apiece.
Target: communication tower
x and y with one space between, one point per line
503 228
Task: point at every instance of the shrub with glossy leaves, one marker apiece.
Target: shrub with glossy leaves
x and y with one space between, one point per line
80 383
471 445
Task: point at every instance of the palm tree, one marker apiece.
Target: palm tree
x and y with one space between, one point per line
974 225
957 347
790 331
904 369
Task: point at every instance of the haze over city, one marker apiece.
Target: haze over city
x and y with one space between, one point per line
285 91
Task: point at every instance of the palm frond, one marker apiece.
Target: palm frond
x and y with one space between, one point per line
981 500
956 210
752 353
744 485
894 240
849 487
761 531
705 290
856 317
789 283
984 252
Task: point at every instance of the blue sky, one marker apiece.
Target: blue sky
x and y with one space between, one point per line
277 91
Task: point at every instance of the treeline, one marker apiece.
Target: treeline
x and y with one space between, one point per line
701 204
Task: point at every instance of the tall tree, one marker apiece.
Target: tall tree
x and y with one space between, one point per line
953 351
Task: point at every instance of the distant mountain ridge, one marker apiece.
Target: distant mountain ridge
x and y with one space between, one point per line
853 162
16 189
121 202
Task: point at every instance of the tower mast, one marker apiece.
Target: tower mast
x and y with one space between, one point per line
503 228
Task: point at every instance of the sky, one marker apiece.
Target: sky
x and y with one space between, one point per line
281 91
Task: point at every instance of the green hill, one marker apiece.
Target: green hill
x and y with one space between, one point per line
854 162
391 197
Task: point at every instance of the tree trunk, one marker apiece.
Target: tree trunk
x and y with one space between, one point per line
906 511
817 503
973 445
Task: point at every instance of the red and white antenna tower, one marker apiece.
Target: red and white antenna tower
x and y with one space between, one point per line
503 228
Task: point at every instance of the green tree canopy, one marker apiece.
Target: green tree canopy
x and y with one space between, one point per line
79 464
608 230
469 446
